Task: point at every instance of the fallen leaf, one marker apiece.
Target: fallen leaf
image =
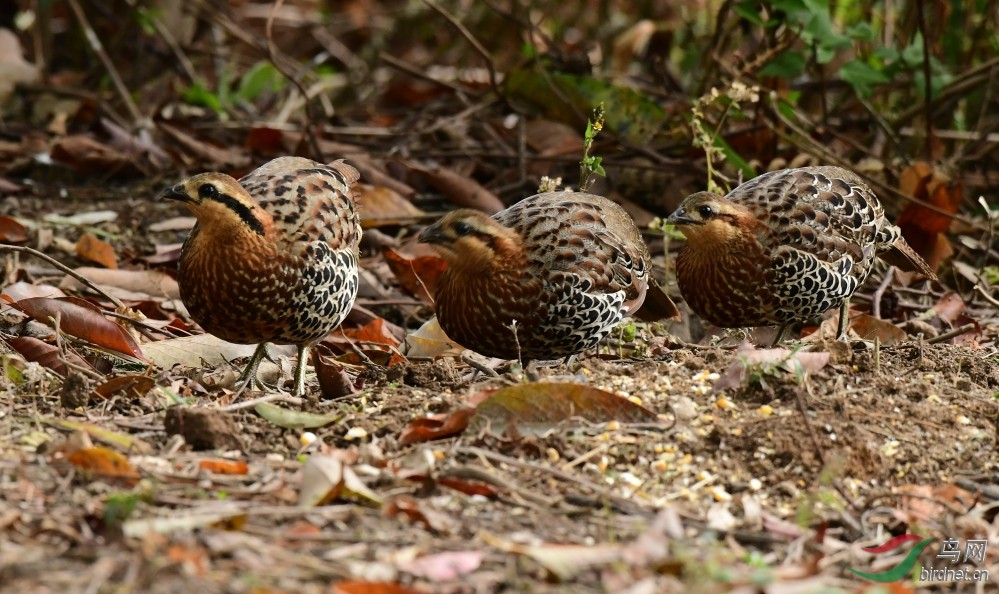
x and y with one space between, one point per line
130 386
427 428
220 466
334 382
89 156
419 276
11 231
563 561
384 206
949 307
325 478
868 327
82 219
443 567
295 419
922 226
45 354
780 359
534 408
371 588
24 290
122 441
374 331
104 462
151 283
178 521
80 319
459 189
89 247
204 350
429 341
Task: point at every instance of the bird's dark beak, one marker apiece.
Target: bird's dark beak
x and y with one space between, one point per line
433 235
176 193
680 218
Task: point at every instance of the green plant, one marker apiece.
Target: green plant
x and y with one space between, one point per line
590 164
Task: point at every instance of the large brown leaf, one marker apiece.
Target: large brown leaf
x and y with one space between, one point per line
83 322
44 354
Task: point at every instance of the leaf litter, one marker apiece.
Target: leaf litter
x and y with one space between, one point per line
647 466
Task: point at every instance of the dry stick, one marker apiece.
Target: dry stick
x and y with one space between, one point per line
472 40
927 83
26 250
98 47
951 334
972 81
310 134
879 293
622 502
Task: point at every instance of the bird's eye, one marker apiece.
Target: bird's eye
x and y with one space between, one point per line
208 192
462 228
705 211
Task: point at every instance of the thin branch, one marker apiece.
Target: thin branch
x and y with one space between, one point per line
493 79
927 83
90 284
98 47
310 134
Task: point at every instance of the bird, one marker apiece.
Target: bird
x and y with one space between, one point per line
547 278
785 246
273 257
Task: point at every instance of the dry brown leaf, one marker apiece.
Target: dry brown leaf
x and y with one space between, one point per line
868 327
92 157
418 275
89 247
459 189
923 226
384 206
12 231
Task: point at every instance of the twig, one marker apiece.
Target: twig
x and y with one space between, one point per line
880 291
951 334
493 81
310 134
478 366
98 47
927 83
22 249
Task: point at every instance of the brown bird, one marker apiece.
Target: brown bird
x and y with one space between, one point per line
273 256
785 246
562 268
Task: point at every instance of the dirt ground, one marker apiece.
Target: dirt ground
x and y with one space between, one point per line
774 482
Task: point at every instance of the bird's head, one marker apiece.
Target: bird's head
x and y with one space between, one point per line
220 204
473 242
708 217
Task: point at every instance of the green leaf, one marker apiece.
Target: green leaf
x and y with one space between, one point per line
862 76
749 11
735 158
262 78
786 65
913 55
196 94
861 32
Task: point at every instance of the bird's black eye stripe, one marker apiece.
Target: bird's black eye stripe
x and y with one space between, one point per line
208 192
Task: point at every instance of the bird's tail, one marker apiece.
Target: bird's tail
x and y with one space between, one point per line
902 256
657 305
